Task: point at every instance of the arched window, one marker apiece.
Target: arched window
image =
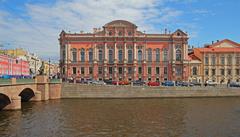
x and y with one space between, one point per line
120 55
90 55
74 55
130 56
157 54
178 55
149 54
194 71
100 55
110 56
165 54
139 55
82 55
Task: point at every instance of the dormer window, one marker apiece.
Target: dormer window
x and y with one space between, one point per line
110 33
178 34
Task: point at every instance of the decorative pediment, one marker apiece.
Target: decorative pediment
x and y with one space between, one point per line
179 33
226 44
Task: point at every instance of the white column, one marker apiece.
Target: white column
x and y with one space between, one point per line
105 51
115 51
135 51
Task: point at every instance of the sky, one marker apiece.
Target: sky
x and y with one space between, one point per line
35 25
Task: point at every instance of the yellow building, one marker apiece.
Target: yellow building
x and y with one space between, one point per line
15 52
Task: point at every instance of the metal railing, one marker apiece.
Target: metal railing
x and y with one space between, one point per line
5 81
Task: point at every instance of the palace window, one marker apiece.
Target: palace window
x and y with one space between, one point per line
90 70
130 56
222 72
110 70
229 71
100 55
82 70
206 72
139 55
165 54
74 55
222 60
149 70
213 72
74 70
129 33
120 33
157 70
194 71
157 54
213 60
229 59
178 71
120 55
139 70
165 71
90 55
120 70
237 72
178 55
82 55
110 56
129 70
206 60
149 54
237 60
99 70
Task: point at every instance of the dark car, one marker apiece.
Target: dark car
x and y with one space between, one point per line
168 83
108 82
234 84
138 83
196 84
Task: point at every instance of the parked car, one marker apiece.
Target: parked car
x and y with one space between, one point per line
196 84
114 82
168 83
98 82
108 82
138 83
234 84
211 83
123 82
153 83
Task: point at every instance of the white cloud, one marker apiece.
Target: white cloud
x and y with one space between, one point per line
39 31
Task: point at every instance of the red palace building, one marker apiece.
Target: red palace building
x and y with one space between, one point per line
120 52
10 66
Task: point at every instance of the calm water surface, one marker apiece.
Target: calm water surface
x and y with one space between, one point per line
198 117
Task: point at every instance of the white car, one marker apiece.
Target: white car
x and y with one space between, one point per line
211 83
98 83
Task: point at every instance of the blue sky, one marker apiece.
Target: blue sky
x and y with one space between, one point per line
35 24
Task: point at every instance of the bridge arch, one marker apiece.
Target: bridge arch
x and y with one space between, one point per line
4 101
26 94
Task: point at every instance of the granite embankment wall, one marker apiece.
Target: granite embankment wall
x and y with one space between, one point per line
95 91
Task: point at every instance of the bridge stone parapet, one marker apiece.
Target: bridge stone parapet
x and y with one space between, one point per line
39 90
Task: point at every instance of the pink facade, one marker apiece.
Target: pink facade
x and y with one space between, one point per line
120 52
13 66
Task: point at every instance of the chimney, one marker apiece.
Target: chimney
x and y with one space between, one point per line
212 42
165 31
217 40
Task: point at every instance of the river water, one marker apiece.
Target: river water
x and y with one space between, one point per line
183 117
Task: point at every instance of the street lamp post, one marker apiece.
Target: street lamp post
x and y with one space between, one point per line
49 61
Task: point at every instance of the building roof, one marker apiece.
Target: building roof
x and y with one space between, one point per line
191 56
120 23
225 45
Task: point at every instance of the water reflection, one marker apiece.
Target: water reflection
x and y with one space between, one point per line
124 117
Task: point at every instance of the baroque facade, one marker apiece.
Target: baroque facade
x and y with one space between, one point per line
119 51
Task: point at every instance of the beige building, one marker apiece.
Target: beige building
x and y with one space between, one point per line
220 61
